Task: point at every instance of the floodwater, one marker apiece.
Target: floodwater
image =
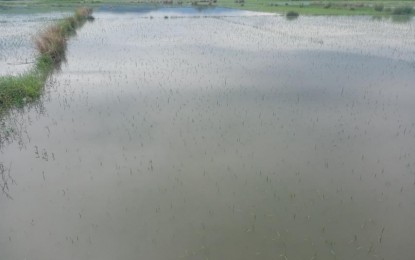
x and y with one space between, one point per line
180 134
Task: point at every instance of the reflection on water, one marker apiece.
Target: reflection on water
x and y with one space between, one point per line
394 18
218 138
197 11
291 17
401 18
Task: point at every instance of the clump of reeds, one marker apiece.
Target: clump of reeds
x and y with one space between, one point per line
69 25
52 42
83 13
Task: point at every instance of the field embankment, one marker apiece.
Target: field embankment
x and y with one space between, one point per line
334 7
311 7
51 46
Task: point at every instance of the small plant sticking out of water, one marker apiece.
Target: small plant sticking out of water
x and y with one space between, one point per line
403 10
5 180
378 7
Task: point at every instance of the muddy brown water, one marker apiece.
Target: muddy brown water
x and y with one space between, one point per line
217 134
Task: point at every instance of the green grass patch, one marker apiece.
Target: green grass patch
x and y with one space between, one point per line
306 7
51 46
333 7
16 90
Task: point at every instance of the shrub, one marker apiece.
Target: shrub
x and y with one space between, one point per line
403 10
292 14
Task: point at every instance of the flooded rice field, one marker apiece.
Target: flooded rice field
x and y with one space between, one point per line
191 134
17 52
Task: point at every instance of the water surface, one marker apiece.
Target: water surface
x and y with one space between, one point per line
218 137
17 52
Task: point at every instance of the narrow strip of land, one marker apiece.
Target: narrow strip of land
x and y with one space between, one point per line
308 7
51 45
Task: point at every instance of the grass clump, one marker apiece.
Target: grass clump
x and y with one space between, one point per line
51 46
68 25
17 90
403 10
83 13
52 42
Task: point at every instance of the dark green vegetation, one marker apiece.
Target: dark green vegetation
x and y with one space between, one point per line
292 14
310 7
51 45
403 10
323 7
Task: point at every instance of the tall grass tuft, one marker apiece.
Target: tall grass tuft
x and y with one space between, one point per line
52 42
83 13
51 46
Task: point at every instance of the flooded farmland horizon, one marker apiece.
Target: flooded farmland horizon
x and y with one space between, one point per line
183 133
